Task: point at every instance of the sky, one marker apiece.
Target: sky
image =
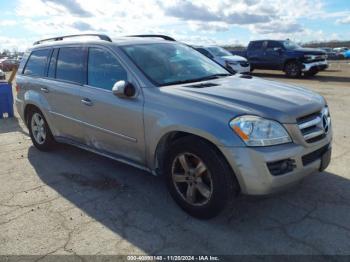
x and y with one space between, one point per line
221 22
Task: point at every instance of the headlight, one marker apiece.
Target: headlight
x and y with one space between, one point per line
228 63
257 131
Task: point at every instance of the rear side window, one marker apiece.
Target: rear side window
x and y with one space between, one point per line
104 69
52 66
256 45
70 64
273 44
37 63
23 62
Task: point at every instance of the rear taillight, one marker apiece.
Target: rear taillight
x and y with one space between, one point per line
17 88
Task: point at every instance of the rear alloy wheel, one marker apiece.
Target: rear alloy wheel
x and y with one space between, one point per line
39 131
292 69
198 177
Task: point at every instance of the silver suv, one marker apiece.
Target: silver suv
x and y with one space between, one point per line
163 107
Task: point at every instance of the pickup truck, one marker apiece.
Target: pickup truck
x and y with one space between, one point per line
285 55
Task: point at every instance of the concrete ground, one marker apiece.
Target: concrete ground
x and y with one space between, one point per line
70 201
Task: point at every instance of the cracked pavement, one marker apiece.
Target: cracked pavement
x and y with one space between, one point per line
70 201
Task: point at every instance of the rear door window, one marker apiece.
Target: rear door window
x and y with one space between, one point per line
256 45
37 63
104 70
70 64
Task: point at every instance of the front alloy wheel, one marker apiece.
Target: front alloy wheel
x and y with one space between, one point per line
192 179
292 69
198 177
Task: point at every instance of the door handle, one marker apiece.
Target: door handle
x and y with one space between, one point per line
44 89
87 102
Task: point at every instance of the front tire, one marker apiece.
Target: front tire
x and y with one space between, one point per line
199 178
292 69
311 73
39 131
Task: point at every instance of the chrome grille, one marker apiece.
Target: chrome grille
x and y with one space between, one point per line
320 57
315 127
316 58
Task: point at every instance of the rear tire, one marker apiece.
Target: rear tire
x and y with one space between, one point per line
198 177
292 69
39 131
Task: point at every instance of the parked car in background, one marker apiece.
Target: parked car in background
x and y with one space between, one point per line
2 75
340 52
234 63
331 54
340 49
165 108
287 56
347 54
8 64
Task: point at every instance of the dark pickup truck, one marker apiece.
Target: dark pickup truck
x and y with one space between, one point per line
285 55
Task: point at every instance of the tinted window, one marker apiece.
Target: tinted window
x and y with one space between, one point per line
290 45
23 61
52 66
104 69
273 44
70 64
36 63
255 45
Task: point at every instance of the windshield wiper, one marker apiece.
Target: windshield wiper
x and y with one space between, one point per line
210 77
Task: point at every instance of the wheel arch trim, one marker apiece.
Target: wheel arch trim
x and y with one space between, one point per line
34 99
159 148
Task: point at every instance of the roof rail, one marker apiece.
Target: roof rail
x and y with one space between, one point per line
59 38
165 37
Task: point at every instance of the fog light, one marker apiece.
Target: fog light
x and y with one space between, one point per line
281 167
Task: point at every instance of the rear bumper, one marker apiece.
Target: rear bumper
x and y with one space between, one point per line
20 107
250 165
315 66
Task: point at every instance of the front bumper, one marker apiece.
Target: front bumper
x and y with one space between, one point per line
250 165
315 66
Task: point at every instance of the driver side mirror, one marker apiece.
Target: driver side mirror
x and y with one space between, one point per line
124 89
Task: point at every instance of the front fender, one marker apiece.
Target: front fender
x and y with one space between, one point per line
207 126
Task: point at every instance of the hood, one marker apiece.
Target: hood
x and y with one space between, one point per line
311 51
282 102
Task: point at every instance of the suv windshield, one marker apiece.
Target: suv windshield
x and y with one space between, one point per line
172 63
219 51
290 45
